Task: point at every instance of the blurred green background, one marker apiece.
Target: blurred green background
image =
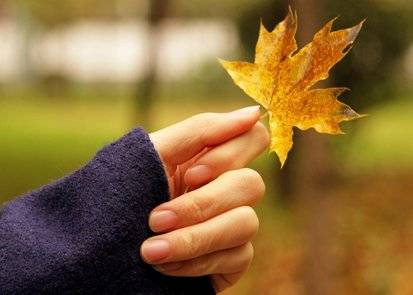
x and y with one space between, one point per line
338 219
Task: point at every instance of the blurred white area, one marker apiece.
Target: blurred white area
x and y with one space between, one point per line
97 51
10 44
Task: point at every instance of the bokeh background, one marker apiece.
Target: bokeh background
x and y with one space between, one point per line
338 219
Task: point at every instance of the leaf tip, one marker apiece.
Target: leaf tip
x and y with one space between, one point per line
354 31
283 158
363 116
349 114
224 63
339 91
329 25
221 61
263 29
292 17
362 22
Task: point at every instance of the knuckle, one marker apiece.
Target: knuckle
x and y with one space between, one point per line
200 266
203 119
244 254
253 182
261 134
251 176
188 241
193 244
248 255
249 251
251 221
195 209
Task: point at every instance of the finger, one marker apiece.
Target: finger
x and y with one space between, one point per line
177 185
229 261
180 142
231 229
233 154
243 187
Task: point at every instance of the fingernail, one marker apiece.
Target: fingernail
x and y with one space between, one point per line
168 266
198 175
155 250
162 220
246 111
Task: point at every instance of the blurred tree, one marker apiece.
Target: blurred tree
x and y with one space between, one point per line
145 95
27 26
270 12
315 179
310 175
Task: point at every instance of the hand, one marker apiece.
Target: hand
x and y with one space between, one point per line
208 230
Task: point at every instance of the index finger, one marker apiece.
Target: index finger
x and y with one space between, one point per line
178 143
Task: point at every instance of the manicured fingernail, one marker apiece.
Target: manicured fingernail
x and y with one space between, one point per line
198 175
168 266
246 111
154 250
162 220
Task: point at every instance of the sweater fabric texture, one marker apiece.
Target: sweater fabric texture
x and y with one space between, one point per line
82 234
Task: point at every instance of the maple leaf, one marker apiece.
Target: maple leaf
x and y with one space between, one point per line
280 79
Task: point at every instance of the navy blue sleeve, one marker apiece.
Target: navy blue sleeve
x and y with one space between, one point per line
82 234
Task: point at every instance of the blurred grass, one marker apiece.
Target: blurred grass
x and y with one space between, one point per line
384 139
43 139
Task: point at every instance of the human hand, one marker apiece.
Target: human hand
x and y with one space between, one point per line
208 230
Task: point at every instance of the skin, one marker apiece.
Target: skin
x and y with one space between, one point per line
208 225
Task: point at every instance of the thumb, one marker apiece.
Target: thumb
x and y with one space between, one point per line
179 143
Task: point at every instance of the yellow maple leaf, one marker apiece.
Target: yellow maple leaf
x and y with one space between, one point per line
281 80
